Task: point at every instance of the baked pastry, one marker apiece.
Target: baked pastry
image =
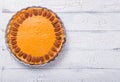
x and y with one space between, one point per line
35 35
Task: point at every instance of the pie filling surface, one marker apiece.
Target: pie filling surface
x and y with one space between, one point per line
35 35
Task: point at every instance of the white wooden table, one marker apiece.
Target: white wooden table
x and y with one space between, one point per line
92 49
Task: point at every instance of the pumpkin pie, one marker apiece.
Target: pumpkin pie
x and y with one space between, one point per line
35 35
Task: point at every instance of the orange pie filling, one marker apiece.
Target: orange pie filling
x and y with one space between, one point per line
35 35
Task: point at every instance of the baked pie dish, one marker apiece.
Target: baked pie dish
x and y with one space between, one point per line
35 35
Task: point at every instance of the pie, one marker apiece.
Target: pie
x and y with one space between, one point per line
35 35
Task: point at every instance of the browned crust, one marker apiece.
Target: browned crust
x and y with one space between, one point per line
13 28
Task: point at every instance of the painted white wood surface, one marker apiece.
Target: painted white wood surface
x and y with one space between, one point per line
82 21
61 75
92 49
66 5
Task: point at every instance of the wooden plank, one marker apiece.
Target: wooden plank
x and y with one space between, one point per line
86 21
1 48
66 5
60 75
1 74
1 5
19 75
80 21
72 59
89 41
93 40
1 37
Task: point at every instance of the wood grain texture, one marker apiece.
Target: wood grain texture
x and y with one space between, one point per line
60 75
66 5
81 21
92 49
80 60
26 75
1 6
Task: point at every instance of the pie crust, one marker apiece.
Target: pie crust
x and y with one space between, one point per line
35 35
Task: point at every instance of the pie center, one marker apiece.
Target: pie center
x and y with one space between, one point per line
36 36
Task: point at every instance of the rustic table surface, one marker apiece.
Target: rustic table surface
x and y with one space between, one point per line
92 49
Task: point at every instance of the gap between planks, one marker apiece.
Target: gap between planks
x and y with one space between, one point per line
89 12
